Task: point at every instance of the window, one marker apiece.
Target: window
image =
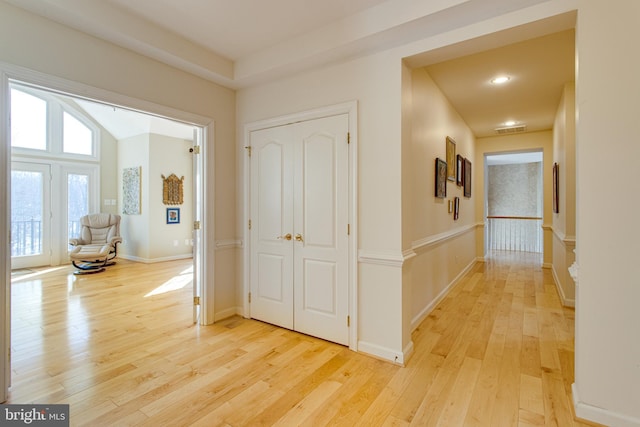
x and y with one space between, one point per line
55 170
77 138
52 124
77 201
28 121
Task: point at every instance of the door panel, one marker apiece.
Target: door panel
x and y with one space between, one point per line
30 215
272 218
299 240
321 211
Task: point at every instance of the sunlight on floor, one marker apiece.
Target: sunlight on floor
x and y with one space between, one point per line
175 283
22 277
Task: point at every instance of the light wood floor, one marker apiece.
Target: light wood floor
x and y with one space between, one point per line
498 351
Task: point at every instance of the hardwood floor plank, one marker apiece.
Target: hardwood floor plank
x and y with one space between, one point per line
121 349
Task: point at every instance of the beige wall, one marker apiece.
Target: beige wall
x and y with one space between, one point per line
108 171
444 247
134 153
607 381
169 155
564 222
147 237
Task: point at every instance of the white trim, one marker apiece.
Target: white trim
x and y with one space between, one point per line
228 244
567 240
224 314
154 260
419 318
600 415
5 232
351 109
386 353
443 237
388 259
565 301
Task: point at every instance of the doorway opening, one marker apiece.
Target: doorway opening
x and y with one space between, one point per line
514 202
201 135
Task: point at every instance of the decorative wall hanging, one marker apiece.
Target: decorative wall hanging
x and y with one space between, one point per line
441 178
172 190
467 178
131 192
456 208
459 170
173 215
556 184
451 159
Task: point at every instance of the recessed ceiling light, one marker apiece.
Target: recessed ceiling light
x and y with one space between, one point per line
500 80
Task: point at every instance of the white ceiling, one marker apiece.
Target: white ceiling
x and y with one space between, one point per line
239 43
122 123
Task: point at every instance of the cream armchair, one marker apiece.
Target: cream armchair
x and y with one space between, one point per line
96 247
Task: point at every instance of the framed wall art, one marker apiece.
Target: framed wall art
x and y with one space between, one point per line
456 208
172 190
467 178
131 193
451 159
441 179
556 184
173 215
459 170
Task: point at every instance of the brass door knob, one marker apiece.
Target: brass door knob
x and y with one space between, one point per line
285 237
299 238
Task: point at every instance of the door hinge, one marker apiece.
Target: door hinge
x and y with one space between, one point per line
248 148
196 225
348 137
348 229
249 224
249 297
195 149
348 321
196 300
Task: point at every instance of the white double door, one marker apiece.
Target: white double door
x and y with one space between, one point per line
299 233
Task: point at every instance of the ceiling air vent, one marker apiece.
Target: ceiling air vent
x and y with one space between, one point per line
511 129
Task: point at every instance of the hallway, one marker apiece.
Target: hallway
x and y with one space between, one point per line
497 351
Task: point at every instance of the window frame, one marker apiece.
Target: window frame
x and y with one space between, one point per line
56 106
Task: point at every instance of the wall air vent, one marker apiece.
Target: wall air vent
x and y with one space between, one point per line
511 129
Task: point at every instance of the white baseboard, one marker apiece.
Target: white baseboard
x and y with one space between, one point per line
375 350
229 312
417 320
154 260
565 301
600 415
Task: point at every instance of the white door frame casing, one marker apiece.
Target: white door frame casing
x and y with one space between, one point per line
9 72
351 109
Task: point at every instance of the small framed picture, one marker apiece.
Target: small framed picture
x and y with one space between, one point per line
556 185
456 208
451 159
173 215
467 178
459 170
441 179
